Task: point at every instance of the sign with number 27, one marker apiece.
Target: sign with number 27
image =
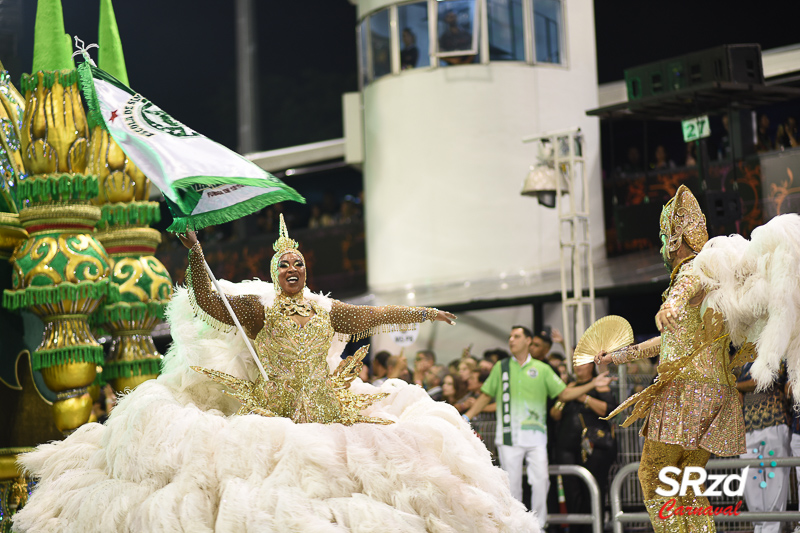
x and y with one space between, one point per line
695 128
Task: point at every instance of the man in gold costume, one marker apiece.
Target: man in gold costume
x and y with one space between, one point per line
692 410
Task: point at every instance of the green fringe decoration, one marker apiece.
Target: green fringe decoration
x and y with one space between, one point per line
130 214
74 354
94 115
180 220
128 311
57 188
20 299
28 82
127 369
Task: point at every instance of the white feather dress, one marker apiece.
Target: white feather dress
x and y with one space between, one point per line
173 458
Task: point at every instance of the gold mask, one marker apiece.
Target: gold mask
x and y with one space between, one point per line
682 218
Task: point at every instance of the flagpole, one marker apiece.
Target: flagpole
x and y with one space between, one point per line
235 320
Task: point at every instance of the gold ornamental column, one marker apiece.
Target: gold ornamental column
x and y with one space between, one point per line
61 272
145 287
144 284
15 486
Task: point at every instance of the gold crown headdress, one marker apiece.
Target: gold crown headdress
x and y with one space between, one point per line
282 246
682 218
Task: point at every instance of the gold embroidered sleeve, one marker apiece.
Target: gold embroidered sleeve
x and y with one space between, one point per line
634 352
686 287
361 321
208 305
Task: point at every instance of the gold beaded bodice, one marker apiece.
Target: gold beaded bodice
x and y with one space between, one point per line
294 357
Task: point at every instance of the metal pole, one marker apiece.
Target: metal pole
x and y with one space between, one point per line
227 304
246 80
246 76
567 324
596 518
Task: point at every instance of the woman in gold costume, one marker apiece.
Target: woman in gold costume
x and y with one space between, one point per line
239 453
292 337
692 410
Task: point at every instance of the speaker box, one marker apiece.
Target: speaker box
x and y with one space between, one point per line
722 209
739 63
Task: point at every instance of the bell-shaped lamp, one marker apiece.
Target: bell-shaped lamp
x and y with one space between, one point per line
541 182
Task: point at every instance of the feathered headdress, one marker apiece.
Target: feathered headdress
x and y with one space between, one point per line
282 246
682 218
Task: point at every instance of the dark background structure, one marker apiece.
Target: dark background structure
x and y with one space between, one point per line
181 53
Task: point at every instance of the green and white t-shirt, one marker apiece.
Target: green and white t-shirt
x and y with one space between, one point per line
530 386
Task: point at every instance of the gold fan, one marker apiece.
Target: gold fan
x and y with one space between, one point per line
607 334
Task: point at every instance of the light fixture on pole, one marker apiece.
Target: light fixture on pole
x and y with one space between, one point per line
560 170
542 180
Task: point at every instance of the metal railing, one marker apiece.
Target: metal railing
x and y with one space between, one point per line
596 516
619 517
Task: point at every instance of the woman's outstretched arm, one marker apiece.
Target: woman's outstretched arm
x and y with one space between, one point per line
248 308
365 320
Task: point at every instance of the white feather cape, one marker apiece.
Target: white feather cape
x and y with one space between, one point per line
755 285
171 458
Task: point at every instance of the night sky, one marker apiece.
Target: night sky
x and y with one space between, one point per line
181 53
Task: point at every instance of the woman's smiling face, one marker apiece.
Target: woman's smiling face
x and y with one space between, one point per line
291 273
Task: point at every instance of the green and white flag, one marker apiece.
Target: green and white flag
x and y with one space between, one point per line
204 182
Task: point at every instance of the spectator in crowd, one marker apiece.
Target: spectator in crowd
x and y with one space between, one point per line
661 160
452 366
397 368
318 219
582 438
329 209
540 345
348 212
521 386
433 382
473 389
363 374
563 373
380 367
485 364
485 422
455 39
409 55
495 355
453 389
764 141
787 134
423 362
766 437
476 380
691 160
466 366
633 163
555 359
